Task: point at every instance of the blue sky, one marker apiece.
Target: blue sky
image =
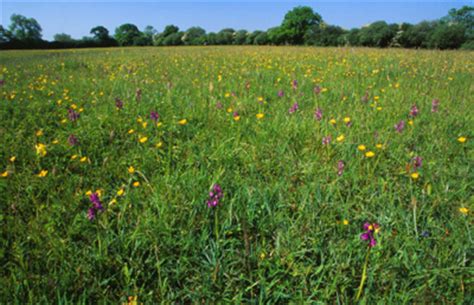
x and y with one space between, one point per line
78 17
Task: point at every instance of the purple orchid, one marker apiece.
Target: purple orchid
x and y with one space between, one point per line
370 229
400 126
318 114
214 196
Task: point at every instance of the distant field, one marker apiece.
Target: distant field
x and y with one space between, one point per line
107 158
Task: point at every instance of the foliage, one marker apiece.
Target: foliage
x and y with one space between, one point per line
127 34
297 21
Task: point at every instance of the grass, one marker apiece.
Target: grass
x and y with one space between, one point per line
287 229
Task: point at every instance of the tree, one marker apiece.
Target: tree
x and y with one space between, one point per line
417 36
25 29
325 36
297 22
174 39
5 35
447 36
277 35
377 34
251 37
100 33
149 34
240 37
127 34
62 37
261 39
225 36
194 36
352 37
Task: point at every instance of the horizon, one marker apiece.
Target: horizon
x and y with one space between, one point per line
69 17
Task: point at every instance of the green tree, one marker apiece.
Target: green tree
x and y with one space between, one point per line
225 36
261 39
100 33
297 21
325 36
447 36
25 29
127 34
417 36
377 34
240 37
62 37
251 37
277 35
5 35
194 36
352 37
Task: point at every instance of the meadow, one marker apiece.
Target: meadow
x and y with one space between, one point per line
256 175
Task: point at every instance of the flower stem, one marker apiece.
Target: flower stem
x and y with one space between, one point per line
364 275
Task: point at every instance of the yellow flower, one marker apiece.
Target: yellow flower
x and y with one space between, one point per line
12 159
41 149
379 108
262 256
369 154
83 159
131 170
259 115
340 138
39 133
464 210
183 122
332 121
229 110
73 157
379 146
361 147
112 202
136 184
410 122
345 222
159 124
4 174
415 175
237 118
131 131
144 124
260 98
347 119
462 139
143 139
227 94
159 145
88 193
120 192
63 121
55 141
43 173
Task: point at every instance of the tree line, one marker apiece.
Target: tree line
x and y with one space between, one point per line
300 26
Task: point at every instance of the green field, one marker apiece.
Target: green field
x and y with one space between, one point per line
77 126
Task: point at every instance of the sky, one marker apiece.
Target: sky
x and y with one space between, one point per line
76 18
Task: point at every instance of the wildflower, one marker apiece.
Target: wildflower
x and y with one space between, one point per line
83 159
415 175
136 184
400 126
361 147
39 133
43 173
219 105
414 111
154 116
370 230
138 95
463 210
434 105
370 154
143 139
317 90
96 206
293 108
73 115
332 121
318 114
4 174
327 140
183 122
340 138
2 82
340 167
229 110
294 84
131 170
12 159
410 122
55 141
345 222
236 116
120 192
215 195
280 93
159 145
144 125
462 139
347 120
41 149
72 140
73 157
379 146
417 162
118 103
131 131
259 115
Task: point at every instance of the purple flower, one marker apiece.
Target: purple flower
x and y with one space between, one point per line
293 108
294 84
414 111
280 93
214 196
138 95
72 140
118 103
235 114
340 167
2 82
317 90
327 141
318 114
73 115
96 206
400 126
417 162
370 229
434 105
219 105
154 116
